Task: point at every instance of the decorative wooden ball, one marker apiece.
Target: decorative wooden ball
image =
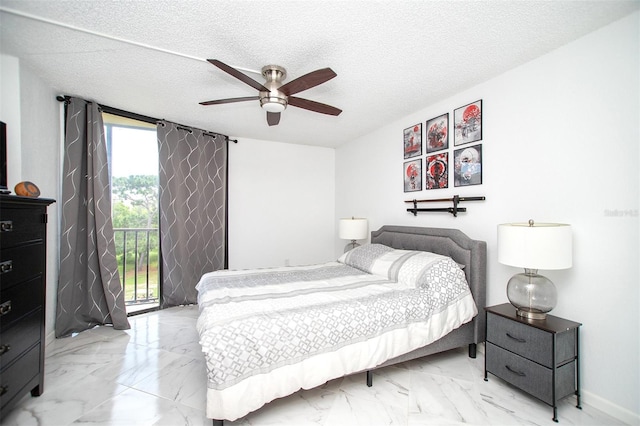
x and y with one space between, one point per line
27 189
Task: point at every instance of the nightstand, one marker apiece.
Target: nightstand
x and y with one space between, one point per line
540 357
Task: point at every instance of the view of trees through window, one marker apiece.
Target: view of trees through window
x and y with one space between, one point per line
133 154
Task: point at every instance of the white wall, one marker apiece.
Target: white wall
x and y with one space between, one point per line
560 144
10 114
33 130
281 204
40 143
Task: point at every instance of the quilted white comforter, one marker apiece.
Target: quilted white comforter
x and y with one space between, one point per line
268 333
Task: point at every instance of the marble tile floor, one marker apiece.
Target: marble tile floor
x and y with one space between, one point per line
154 374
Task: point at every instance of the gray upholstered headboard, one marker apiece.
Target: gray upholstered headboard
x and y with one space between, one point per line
448 242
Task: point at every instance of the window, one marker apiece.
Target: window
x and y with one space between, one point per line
133 162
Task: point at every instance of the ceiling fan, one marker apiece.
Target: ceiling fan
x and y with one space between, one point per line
275 96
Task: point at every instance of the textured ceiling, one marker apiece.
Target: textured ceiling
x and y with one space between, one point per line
392 57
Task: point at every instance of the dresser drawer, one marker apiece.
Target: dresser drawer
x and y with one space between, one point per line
19 225
15 378
20 263
530 376
20 336
20 300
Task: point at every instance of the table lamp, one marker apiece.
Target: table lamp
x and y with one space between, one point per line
534 246
354 228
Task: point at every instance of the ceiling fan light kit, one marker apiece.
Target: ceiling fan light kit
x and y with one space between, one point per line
273 104
274 96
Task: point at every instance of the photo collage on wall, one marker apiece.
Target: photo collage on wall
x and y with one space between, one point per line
467 160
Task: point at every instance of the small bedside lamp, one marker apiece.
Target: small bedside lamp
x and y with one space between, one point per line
534 246
355 228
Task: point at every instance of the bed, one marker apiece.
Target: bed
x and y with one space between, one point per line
268 333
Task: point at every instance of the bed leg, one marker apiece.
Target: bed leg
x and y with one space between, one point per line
472 350
217 422
369 378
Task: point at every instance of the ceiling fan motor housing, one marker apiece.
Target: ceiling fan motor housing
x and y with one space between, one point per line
273 100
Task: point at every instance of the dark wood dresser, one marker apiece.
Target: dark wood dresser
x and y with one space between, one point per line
23 236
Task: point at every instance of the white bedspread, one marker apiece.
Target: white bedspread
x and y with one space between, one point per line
268 333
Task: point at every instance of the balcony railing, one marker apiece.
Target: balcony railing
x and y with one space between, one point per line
137 252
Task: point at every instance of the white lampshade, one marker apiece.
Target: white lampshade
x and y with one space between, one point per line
541 246
354 228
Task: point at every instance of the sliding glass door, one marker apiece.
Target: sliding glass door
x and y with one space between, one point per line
133 165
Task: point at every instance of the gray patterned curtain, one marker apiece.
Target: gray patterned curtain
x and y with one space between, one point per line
193 208
89 290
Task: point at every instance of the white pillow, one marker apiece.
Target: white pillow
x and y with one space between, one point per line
394 264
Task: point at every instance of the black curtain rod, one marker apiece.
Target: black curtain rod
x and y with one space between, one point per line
127 114
116 111
204 132
139 117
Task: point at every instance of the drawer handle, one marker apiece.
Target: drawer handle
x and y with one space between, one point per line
4 349
6 266
5 308
517 339
6 226
516 372
3 390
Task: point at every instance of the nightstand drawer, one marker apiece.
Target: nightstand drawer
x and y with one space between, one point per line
531 342
519 338
530 376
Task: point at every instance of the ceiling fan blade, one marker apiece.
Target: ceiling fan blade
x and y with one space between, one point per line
273 118
237 74
230 100
307 81
314 106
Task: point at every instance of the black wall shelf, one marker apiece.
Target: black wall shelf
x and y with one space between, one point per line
454 210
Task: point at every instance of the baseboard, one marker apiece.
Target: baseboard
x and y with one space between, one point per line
49 338
610 408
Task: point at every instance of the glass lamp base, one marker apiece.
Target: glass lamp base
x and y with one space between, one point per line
531 315
351 246
533 295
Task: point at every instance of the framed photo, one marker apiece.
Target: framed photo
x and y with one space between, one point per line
437 171
438 133
468 123
413 141
468 166
413 175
